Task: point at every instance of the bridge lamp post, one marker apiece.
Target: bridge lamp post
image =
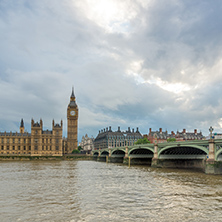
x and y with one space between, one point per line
211 129
155 139
126 142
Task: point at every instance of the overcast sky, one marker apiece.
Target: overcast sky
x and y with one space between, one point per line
133 63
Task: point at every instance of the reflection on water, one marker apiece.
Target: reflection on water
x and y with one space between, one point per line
94 191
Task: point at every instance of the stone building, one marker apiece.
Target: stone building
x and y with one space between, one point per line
87 144
108 138
37 143
71 142
43 142
162 136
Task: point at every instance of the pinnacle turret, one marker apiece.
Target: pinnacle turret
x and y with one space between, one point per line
22 123
72 99
72 95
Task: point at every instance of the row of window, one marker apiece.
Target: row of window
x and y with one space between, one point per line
14 148
121 144
28 148
122 141
16 153
46 140
19 153
7 140
46 148
123 137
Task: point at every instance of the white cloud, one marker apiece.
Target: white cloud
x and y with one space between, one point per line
111 15
133 63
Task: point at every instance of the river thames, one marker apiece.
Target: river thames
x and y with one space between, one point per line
93 191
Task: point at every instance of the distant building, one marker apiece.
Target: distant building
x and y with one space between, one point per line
108 138
216 136
161 136
87 144
180 136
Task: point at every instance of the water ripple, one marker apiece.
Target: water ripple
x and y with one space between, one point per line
73 191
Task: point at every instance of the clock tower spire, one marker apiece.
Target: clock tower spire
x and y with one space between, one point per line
72 124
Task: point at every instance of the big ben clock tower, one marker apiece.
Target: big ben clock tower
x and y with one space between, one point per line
72 123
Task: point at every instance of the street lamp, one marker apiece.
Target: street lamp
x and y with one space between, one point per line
211 129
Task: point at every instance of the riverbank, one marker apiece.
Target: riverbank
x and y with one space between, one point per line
66 157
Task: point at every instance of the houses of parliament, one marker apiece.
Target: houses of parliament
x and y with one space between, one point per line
43 142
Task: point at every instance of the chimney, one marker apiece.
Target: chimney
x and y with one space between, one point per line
195 131
106 129
118 128
110 129
129 129
99 131
133 130
150 130
172 133
184 131
160 130
137 129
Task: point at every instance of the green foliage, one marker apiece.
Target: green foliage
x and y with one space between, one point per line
142 141
171 140
80 148
75 151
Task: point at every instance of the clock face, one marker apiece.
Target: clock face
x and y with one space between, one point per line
72 113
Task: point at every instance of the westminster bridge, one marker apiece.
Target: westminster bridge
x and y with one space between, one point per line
202 154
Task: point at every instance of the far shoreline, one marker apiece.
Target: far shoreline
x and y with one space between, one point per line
42 158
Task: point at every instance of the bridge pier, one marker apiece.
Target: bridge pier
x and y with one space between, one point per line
212 166
156 163
126 160
155 160
198 164
95 158
101 159
115 159
137 161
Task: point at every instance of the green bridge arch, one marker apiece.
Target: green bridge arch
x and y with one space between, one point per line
95 153
118 149
217 154
184 145
104 152
141 147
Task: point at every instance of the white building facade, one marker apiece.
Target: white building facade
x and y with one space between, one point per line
87 144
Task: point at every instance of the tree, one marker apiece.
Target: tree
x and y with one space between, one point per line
171 140
142 141
80 148
75 151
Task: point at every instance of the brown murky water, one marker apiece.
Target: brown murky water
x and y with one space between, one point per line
94 191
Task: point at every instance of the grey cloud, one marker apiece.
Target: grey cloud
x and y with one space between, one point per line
49 46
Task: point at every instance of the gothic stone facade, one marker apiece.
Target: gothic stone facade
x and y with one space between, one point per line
42 142
37 143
